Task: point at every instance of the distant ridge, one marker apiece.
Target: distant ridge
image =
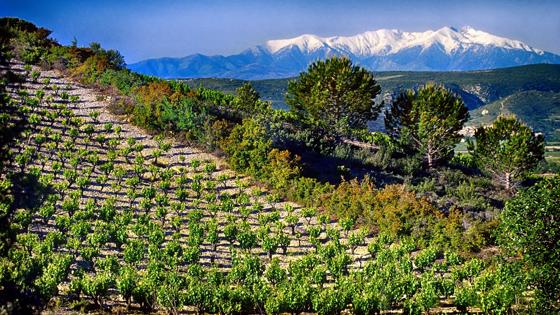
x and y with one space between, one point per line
446 49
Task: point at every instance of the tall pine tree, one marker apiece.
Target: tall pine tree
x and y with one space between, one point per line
335 96
427 121
506 150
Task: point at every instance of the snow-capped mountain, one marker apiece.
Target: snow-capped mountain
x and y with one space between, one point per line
385 42
446 49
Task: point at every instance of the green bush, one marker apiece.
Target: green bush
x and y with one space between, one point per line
351 199
530 227
464 160
123 80
247 148
307 191
184 116
61 58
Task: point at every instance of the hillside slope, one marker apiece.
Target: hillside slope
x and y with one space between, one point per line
540 110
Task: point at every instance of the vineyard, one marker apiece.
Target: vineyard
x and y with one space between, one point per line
100 215
131 219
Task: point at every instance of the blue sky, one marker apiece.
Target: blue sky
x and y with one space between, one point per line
147 29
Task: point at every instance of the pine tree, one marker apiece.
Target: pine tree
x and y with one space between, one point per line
248 99
335 96
427 121
506 150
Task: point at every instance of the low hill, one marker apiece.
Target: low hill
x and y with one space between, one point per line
540 110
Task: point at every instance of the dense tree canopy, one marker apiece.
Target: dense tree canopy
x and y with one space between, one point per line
507 149
530 226
335 95
428 121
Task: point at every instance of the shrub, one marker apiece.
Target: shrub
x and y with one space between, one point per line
398 212
530 227
92 69
215 133
182 115
123 80
351 199
148 112
282 168
464 160
61 58
467 195
247 148
307 191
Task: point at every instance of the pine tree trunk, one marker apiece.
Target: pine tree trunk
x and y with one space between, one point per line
430 160
429 155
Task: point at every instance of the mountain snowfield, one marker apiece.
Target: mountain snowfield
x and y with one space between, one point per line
384 42
446 49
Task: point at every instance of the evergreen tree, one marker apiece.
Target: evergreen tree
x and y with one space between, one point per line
506 150
335 96
247 97
529 227
427 121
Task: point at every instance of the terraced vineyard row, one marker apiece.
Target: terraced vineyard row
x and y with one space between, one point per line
114 166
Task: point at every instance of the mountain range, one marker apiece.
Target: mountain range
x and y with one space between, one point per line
445 49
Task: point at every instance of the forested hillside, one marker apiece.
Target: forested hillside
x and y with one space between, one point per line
125 193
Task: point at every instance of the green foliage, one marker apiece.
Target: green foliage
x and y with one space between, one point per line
398 212
123 80
329 301
464 160
53 275
499 290
174 212
97 286
248 147
530 228
282 168
506 150
28 43
113 57
307 191
61 57
248 100
351 199
428 121
184 116
334 95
